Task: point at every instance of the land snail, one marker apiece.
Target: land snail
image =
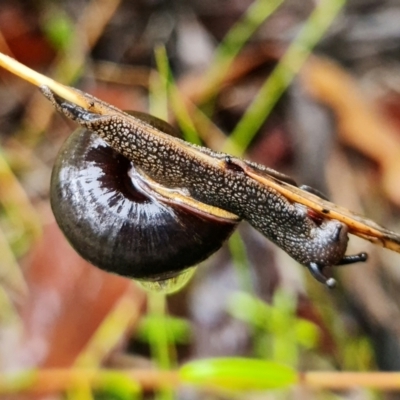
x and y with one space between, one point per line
134 200
124 222
182 201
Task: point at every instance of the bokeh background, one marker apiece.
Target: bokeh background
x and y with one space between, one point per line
336 127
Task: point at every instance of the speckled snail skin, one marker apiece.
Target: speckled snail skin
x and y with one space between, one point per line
170 171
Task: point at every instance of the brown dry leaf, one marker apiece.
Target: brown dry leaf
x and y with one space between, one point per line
361 125
364 285
22 36
68 301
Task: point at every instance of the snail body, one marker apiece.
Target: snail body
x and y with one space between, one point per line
207 179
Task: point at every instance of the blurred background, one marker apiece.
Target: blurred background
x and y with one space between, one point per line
212 69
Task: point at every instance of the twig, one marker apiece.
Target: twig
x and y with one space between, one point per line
386 381
58 380
38 79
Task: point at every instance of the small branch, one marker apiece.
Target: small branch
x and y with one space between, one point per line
59 380
38 79
386 381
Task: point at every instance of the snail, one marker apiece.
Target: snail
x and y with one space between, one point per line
197 197
122 221
215 190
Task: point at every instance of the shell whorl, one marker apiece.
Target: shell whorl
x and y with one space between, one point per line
114 219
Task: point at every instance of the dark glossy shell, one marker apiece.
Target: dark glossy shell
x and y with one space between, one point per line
115 224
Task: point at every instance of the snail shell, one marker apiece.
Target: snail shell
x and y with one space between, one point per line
122 222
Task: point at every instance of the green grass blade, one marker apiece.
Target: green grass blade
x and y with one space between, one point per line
182 115
158 87
282 75
162 350
241 262
236 38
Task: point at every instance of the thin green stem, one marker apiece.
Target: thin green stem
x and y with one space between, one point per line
158 91
236 38
159 343
241 262
178 105
283 74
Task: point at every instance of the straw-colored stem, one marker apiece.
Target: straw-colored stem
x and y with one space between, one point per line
37 79
57 380
386 381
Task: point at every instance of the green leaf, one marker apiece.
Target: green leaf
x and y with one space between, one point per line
116 385
59 29
15 382
250 309
307 333
238 374
178 329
